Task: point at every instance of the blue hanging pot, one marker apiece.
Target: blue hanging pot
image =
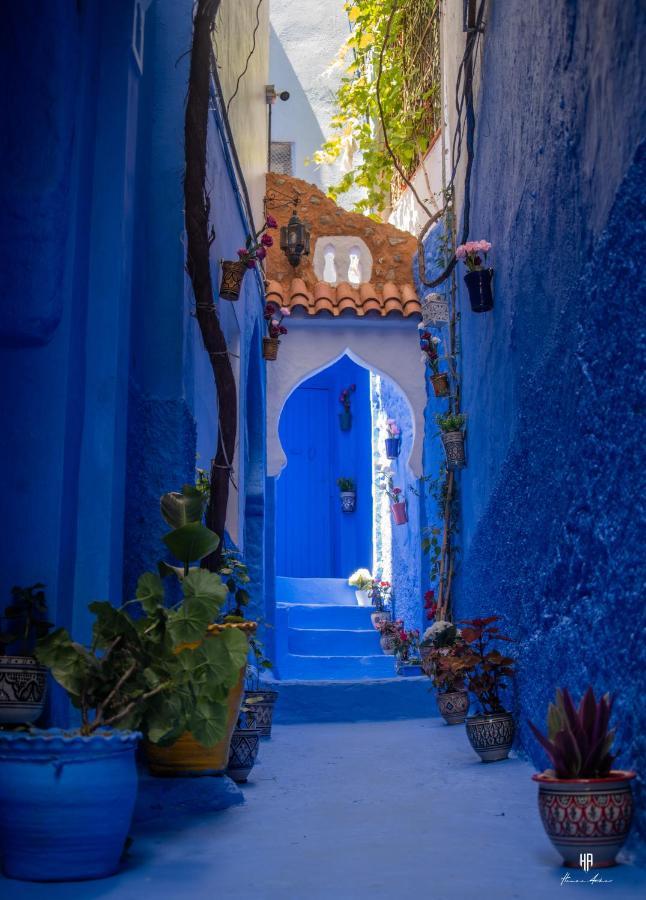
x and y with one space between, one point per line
345 420
66 802
393 446
479 286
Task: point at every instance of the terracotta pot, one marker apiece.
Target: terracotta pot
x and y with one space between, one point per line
270 348
187 756
586 815
23 684
491 735
264 707
387 644
479 286
453 706
453 442
348 501
440 384
233 272
245 742
400 516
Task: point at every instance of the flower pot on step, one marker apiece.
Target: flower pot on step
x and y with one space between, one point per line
479 286
270 348
264 703
66 802
348 501
440 384
393 447
387 644
586 815
378 617
233 273
244 746
453 706
400 516
363 598
453 442
491 735
22 690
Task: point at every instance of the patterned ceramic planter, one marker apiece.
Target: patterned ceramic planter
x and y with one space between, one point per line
453 442
378 617
387 644
393 447
479 286
453 706
440 384
233 273
244 746
22 690
270 348
66 803
586 815
348 501
492 735
264 703
400 516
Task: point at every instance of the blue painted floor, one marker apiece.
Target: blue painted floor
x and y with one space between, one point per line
355 811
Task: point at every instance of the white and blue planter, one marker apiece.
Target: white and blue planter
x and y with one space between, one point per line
66 803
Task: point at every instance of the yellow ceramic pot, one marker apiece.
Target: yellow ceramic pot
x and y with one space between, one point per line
188 757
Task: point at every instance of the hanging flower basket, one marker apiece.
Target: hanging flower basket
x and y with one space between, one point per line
440 384
393 447
345 420
233 273
270 348
453 442
400 516
479 287
348 501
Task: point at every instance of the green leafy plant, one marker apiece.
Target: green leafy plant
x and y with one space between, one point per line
235 575
447 656
25 619
190 540
260 664
345 484
578 741
486 668
451 421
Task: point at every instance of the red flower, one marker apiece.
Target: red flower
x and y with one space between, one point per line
270 222
267 240
242 252
251 263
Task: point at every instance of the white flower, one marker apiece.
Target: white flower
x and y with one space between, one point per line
361 579
421 326
436 339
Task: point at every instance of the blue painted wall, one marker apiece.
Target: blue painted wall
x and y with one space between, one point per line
314 538
107 395
553 382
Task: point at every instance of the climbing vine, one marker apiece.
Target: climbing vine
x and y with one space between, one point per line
406 36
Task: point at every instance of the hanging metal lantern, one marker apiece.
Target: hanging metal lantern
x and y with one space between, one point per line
295 240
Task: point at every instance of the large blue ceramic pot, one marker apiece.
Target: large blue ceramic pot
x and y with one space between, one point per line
66 803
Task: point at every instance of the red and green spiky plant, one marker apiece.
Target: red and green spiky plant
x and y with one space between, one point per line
578 741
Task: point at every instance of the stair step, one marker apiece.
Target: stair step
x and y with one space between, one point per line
332 617
352 701
333 642
333 591
352 668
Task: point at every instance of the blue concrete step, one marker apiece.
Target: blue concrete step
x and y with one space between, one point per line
333 642
353 701
314 590
331 617
348 668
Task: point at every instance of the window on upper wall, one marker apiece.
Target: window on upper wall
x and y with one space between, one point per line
282 157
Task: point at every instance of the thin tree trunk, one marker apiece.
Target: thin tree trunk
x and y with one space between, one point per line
196 206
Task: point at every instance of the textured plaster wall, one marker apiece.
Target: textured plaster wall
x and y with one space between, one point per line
552 499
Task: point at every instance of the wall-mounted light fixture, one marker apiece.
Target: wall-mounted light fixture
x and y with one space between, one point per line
295 238
271 95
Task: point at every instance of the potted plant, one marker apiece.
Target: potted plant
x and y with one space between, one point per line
445 659
380 596
394 439
362 582
22 679
263 698
440 380
407 650
387 635
397 504
274 316
345 416
586 806
348 494
255 250
478 279
244 743
452 434
490 731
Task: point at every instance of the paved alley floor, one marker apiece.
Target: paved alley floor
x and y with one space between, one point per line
353 811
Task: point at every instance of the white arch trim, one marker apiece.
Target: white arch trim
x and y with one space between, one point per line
387 348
